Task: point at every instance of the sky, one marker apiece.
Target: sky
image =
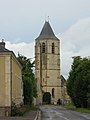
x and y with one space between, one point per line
22 20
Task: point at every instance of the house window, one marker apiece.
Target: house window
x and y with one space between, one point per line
53 94
53 50
43 47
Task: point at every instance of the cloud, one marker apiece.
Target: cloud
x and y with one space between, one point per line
75 42
23 18
26 49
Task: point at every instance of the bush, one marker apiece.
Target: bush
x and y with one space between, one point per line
22 110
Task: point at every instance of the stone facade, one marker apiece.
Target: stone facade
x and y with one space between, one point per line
47 65
65 97
11 86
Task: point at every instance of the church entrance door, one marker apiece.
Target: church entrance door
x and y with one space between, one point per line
47 98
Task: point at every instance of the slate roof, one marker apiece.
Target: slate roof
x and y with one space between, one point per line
47 32
2 47
62 81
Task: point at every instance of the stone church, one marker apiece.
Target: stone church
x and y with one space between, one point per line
47 66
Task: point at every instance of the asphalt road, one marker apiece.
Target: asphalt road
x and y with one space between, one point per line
59 113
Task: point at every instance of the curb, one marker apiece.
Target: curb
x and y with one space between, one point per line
38 115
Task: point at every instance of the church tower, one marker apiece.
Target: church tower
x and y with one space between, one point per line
47 66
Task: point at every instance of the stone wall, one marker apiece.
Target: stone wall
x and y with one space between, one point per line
5 111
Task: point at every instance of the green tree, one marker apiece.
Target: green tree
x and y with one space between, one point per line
72 78
28 91
88 96
29 83
78 81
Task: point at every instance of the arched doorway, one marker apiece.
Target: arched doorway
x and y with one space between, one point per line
47 98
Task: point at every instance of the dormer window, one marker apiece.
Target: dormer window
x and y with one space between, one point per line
53 49
43 47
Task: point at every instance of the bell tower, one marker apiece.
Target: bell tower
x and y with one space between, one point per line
47 65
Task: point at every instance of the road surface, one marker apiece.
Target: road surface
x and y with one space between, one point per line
51 112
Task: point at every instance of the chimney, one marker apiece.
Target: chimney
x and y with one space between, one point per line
2 44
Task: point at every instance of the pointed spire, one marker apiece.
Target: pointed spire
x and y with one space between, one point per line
47 32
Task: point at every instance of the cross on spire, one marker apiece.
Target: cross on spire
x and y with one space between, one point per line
48 18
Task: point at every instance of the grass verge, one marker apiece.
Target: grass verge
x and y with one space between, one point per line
81 110
22 110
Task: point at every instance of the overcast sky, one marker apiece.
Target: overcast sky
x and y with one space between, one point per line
22 20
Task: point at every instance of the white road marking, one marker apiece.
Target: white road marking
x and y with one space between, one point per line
85 116
64 118
60 115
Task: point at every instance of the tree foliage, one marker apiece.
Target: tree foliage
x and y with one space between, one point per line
29 84
88 96
79 81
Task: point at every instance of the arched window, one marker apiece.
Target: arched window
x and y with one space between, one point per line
53 50
53 92
43 47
